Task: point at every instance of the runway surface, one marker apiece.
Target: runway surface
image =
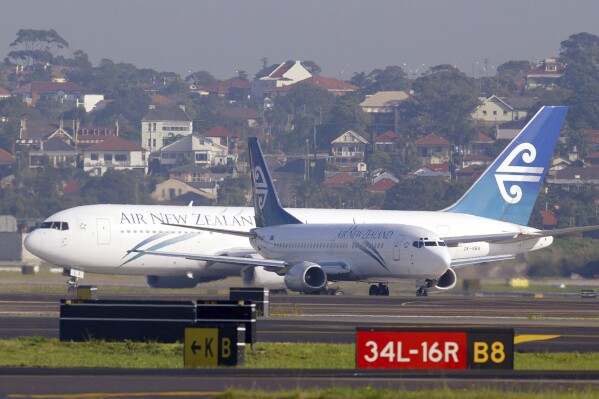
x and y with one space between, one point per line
552 323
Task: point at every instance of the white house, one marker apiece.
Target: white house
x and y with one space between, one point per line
195 149
162 126
114 153
277 76
495 109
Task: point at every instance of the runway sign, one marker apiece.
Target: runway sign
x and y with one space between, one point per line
435 348
214 345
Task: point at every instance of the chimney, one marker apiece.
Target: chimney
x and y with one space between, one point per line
152 106
23 127
116 126
182 107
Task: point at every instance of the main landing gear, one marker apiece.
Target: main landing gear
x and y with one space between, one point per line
423 286
381 289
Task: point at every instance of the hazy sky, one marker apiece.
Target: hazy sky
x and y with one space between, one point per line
342 36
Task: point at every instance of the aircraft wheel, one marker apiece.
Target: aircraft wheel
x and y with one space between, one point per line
374 290
421 292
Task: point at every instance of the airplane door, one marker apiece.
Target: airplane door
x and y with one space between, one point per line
103 226
397 248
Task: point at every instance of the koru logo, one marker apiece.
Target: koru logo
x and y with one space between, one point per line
509 173
260 187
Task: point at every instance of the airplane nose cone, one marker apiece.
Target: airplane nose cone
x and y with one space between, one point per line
33 242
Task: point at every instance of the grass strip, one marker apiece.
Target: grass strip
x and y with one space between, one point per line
42 352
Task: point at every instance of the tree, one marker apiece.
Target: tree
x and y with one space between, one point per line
581 54
232 191
361 79
442 103
201 79
312 67
346 114
509 75
34 46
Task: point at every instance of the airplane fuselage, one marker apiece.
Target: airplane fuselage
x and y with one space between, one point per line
98 238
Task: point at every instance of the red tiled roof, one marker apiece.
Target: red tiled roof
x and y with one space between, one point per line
6 157
115 143
482 138
4 92
162 100
71 187
592 136
340 179
382 185
438 167
281 69
432 139
549 218
219 131
226 85
239 113
49 87
386 137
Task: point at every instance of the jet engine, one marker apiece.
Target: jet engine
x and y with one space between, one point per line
172 281
305 277
256 276
447 281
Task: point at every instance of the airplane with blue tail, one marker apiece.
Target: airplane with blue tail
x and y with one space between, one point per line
303 249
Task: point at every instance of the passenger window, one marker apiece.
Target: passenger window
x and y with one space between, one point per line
442 244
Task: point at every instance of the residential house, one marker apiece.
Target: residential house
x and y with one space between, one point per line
434 170
68 93
348 150
7 163
476 159
509 130
387 142
592 140
382 108
222 136
433 149
494 110
114 153
340 180
558 164
545 74
232 90
470 173
277 76
250 116
54 152
334 86
548 219
480 144
90 135
191 173
575 175
381 173
4 93
162 126
173 189
195 149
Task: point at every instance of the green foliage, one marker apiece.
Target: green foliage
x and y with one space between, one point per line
233 191
201 79
312 67
36 46
508 75
433 193
567 256
443 100
116 187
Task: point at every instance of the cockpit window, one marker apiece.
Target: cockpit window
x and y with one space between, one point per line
55 225
425 242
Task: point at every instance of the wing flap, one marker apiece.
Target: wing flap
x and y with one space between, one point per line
457 263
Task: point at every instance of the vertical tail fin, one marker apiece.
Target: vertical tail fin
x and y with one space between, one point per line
509 188
267 206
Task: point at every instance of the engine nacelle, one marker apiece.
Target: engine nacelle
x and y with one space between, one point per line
447 281
172 282
305 277
256 276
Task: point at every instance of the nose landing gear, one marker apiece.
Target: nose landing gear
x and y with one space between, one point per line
381 289
423 286
74 276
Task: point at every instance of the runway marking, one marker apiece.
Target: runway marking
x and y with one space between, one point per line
520 339
114 395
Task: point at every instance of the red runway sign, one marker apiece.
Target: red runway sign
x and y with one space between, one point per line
434 349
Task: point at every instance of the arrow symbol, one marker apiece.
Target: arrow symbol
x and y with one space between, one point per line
194 347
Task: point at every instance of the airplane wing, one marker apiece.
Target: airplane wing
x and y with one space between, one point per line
248 234
512 237
482 259
234 260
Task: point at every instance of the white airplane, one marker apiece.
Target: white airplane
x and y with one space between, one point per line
309 255
487 224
